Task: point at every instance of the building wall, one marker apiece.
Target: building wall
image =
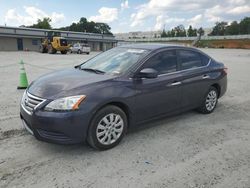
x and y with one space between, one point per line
8 44
31 44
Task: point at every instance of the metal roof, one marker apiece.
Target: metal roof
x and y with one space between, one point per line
41 33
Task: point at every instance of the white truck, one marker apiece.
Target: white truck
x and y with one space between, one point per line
80 48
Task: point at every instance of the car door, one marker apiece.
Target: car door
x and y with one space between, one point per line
161 95
195 77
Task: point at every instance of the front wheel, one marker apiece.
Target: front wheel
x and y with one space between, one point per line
210 101
51 50
64 52
107 128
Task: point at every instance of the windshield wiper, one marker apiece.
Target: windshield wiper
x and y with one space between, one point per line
93 70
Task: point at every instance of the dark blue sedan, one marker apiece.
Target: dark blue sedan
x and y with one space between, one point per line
100 99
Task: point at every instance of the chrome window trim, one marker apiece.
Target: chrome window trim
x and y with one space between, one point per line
165 74
187 69
175 72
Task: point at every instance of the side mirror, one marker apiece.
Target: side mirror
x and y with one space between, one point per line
148 73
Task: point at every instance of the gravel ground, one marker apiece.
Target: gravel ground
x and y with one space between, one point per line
188 150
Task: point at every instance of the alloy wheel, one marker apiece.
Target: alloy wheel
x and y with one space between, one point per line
109 129
211 100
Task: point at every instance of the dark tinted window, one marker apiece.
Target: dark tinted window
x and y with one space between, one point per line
163 62
189 59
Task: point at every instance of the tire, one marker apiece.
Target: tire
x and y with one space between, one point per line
210 101
64 52
42 49
102 123
51 50
87 53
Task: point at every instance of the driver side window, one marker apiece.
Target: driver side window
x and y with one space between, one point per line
164 62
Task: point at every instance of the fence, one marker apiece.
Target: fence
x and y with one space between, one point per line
189 38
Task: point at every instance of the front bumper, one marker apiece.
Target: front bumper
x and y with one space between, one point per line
56 127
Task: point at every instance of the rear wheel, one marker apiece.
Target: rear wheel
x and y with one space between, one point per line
107 128
210 101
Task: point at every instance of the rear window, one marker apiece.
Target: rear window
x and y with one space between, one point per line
189 59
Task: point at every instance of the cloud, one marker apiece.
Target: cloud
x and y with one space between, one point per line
162 21
196 13
106 15
124 5
57 17
239 10
12 17
196 20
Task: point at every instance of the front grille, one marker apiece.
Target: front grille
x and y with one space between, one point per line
30 102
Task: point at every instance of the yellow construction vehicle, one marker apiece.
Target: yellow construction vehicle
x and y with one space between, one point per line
53 43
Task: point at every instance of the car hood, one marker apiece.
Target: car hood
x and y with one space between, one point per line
65 82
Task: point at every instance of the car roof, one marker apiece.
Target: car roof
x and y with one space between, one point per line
152 46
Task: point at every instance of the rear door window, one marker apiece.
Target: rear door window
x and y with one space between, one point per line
189 59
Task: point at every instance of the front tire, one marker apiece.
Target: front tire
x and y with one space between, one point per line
51 50
107 128
64 52
210 101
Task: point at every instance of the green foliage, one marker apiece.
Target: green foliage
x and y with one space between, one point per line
82 26
219 29
164 34
180 31
200 31
191 32
90 27
244 26
42 24
235 28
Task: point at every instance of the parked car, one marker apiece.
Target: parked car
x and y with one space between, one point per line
99 100
80 48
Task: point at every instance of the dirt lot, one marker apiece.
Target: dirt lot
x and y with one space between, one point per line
188 150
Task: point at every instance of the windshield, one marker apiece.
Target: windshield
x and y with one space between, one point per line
115 61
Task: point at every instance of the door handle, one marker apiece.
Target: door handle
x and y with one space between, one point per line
205 76
175 84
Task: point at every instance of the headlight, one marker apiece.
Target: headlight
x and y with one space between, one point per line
67 103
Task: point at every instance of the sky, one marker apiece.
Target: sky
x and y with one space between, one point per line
125 15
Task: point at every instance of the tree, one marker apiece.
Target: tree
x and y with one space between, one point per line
219 29
163 34
102 28
201 31
233 28
245 26
42 24
180 31
191 32
91 27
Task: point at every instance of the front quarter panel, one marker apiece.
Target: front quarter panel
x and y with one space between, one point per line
115 91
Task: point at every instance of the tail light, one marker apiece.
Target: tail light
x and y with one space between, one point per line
225 70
